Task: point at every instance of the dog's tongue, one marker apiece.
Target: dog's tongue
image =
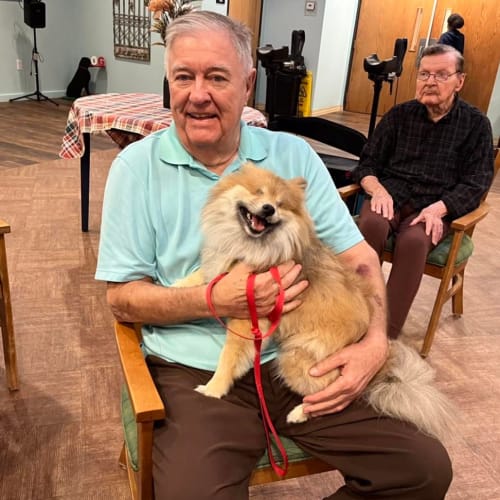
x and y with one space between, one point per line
257 224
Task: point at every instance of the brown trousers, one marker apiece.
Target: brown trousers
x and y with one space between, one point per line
207 448
408 260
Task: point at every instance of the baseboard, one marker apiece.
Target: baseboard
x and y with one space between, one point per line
326 111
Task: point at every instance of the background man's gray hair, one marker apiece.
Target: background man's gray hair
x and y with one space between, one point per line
439 48
199 21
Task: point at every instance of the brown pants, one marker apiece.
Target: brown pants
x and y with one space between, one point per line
207 448
408 260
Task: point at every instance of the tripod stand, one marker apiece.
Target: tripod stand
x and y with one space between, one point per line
35 56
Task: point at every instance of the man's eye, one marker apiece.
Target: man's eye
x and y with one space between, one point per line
443 75
218 78
182 77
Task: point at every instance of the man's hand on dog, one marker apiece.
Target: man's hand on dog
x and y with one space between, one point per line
230 298
358 363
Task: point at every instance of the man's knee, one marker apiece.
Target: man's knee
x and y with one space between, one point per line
432 470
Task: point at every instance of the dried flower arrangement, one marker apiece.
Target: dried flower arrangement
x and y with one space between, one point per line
165 11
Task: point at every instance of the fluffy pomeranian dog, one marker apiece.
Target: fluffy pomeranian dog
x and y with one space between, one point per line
261 219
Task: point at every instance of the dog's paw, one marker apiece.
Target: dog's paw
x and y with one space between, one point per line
297 415
206 390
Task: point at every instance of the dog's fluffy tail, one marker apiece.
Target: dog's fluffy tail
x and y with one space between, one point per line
404 389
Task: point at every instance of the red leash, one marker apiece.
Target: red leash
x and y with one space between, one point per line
274 317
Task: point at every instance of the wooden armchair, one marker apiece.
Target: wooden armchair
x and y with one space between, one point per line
141 407
6 323
446 262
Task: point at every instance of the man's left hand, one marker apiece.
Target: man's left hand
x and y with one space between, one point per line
432 217
358 364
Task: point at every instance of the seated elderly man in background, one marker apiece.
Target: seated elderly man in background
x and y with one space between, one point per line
429 161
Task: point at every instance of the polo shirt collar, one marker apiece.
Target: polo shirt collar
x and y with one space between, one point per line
172 151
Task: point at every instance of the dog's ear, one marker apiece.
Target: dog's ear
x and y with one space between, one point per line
300 182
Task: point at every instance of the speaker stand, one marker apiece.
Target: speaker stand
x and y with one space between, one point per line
35 56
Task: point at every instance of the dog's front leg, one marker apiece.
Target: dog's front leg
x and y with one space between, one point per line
235 360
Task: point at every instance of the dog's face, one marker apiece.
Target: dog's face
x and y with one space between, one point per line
258 200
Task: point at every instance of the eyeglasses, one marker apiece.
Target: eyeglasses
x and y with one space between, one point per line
440 76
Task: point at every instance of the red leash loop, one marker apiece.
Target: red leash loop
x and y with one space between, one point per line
275 318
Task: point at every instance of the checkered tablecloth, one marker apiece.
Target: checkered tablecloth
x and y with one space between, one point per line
126 117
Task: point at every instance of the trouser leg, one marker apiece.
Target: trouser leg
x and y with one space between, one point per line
408 262
374 227
207 447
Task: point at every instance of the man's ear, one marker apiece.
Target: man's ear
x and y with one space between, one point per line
251 82
460 82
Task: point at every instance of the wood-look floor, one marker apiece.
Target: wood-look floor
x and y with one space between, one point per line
60 434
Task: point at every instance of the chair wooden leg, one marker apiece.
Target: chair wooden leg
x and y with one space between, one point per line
122 460
6 322
457 301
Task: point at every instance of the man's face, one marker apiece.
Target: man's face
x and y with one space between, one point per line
433 93
208 90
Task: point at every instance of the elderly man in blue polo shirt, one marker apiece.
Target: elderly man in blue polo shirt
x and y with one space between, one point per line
150 237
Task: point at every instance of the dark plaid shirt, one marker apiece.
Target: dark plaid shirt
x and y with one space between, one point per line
421 162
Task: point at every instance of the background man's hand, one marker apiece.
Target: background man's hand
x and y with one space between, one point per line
432 216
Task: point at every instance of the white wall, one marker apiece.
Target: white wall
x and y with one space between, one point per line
335 48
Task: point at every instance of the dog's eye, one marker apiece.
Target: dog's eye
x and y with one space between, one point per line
259 191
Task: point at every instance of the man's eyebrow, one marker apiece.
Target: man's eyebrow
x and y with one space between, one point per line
221 69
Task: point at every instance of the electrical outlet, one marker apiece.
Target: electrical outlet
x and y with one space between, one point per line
19 64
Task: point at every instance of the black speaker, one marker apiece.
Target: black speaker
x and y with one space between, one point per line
34 14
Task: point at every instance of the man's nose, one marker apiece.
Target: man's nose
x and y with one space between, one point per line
199 90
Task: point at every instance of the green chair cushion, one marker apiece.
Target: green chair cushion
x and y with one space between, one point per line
294 453
129 429
439 255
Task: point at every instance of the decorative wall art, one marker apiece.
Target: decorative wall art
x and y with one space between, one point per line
132 30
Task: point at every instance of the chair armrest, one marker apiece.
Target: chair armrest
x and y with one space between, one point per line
470 219
349 190
145 399
4 227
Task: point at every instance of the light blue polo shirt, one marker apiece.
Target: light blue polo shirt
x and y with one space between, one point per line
151 222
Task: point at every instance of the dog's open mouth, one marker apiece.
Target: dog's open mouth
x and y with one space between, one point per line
257 224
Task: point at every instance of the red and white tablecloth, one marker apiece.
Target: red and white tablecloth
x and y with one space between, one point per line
125 117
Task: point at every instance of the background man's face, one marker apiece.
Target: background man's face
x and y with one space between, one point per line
433 93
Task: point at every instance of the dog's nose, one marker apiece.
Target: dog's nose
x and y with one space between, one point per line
267 210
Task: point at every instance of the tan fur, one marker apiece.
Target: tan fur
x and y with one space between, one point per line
335 310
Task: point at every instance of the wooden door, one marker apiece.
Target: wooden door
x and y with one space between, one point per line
482 45
382 21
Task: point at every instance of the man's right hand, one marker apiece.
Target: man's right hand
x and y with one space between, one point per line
229 294
381 201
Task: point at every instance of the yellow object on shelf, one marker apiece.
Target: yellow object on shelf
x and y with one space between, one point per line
305 93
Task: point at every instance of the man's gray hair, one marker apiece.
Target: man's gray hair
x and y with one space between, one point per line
440 48
207 21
